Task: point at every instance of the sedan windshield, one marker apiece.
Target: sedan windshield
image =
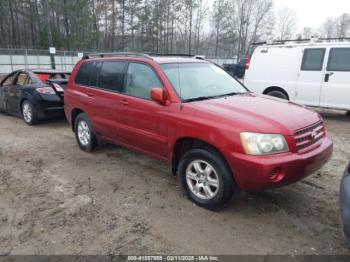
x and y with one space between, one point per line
199 81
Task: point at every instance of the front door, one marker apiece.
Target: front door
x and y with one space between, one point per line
14 93
310 77
143 122
336 88
6 85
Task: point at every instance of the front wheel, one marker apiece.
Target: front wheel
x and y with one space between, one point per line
84 133
206 178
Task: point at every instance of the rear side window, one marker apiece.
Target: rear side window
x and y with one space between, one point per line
140 80
84 73
22 79
313 59
339 60
111 76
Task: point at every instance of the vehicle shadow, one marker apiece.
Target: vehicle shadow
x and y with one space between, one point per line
332 114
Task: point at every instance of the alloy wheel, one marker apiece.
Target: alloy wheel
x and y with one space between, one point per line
27 112
202 179
84 134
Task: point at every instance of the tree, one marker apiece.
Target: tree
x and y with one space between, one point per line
286 24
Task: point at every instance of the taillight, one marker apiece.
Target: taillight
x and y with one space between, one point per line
247 64
58 87
46 90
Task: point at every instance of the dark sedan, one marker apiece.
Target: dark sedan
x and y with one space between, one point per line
33 94
345 204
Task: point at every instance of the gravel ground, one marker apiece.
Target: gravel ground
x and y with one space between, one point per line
56 199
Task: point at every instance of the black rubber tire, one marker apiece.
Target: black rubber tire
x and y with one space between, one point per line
278 94
227 186
348 114
34 119
93 143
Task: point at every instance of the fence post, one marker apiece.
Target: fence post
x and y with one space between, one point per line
26 59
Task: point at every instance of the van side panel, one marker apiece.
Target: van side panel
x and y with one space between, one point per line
274 66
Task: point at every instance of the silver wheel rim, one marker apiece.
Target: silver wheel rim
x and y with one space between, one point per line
202 179
27 112
83 133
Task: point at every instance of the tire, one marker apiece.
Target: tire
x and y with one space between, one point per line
196 187
29 113
84 133
278 94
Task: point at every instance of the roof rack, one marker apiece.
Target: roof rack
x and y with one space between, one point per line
131 54
313 39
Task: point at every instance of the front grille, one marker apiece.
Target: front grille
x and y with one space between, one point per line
308 136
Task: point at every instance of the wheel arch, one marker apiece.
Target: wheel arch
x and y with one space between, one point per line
184 144
276 88
75 112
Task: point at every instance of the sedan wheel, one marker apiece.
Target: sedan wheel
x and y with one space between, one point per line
28 113
84 133
202 179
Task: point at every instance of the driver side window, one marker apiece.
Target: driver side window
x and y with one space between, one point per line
140 79
9 80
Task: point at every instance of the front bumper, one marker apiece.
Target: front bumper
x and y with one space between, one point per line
253 173
345 204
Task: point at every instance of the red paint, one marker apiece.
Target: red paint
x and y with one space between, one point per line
153 128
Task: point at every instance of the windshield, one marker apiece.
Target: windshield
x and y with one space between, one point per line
195 81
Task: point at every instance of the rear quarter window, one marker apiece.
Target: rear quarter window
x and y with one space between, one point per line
84 73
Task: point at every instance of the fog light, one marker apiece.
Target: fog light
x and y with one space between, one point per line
277 174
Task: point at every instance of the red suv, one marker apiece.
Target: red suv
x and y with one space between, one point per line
217 136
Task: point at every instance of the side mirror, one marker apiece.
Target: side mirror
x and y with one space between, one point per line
160 95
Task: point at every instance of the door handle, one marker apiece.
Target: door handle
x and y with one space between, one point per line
327 76
124 102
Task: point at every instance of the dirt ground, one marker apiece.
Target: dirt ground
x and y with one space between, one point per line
56 199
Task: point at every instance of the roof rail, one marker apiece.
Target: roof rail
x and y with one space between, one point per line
131 54
313 39
159 54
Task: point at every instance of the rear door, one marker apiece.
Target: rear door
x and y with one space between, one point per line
105 94
143 122
310 76
336 88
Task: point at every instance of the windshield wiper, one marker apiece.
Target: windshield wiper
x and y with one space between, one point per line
198 98
209 97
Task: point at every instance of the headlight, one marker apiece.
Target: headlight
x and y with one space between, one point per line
263 144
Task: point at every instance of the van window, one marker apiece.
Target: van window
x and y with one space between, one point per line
111 76
84 73
339 59
313 59
140 80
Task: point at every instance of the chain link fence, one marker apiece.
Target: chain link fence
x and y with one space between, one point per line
15 59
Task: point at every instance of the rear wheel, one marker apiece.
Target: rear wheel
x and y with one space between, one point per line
206 178
278 94
29 113
84 133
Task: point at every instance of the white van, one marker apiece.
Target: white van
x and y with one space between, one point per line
312 73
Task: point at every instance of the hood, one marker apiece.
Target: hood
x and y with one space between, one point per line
257 113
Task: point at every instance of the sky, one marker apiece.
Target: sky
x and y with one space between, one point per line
313 13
